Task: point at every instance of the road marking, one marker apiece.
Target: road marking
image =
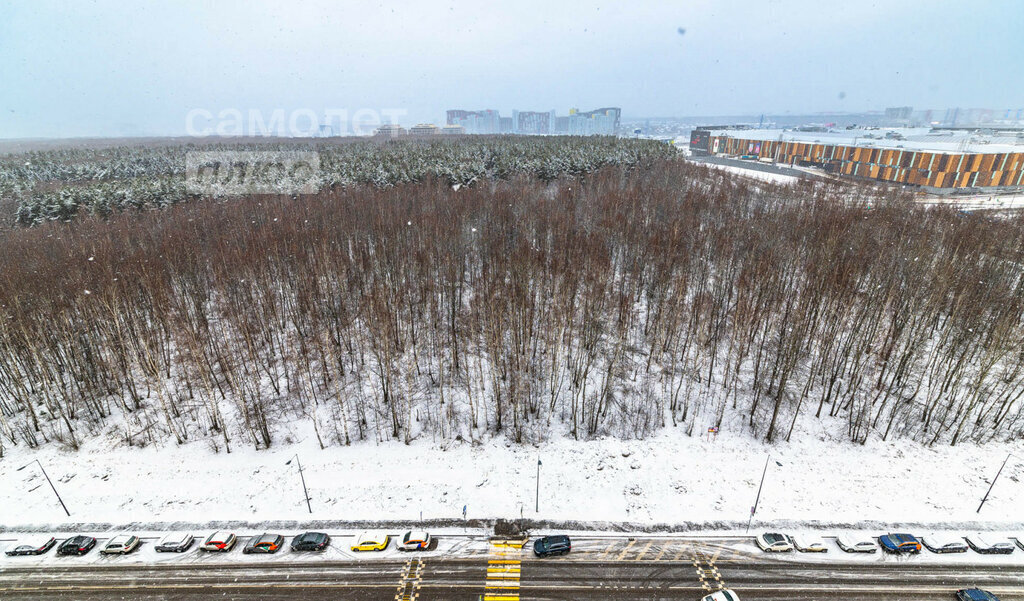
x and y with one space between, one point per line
412 579
626 550
502 582
664 548
608 550
710 578
643 551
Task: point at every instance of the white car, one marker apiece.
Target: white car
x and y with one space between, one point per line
722 595
986 543
175 542
219 541
122 544
415 540
774 541
944 543
856 544
809 544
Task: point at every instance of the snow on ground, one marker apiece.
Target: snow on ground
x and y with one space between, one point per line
765 176
669 479
974 202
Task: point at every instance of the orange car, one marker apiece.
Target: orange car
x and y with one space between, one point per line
264 543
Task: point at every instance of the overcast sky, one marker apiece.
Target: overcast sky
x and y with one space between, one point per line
81 68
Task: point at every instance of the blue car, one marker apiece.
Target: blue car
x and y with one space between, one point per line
975 594
900 543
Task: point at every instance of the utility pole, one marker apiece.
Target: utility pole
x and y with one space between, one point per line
303 478
537 508
36 461
759 487
993 482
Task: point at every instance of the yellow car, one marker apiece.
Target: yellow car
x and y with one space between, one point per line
371 541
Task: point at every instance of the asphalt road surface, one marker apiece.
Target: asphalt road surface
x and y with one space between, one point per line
524 578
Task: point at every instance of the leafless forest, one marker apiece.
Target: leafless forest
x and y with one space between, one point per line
613 303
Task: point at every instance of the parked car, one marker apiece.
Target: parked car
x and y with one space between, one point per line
122 544
415 540
988 544
371 541
219 541
33 546
264 543
774 541
900 542
856 544
809 544
558 544
175 542
76 545
311 541
975 594
939 543
722 595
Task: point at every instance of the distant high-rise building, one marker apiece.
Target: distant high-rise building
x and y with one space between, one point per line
476 122
899 113
532 122
603 121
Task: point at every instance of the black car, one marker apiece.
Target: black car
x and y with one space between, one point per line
264 543
311 541
552 545
975 594
76 545
33 547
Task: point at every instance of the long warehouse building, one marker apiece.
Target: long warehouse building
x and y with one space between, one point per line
936 160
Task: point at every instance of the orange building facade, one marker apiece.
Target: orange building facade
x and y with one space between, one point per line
932 169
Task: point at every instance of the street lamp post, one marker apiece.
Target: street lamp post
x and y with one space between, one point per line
537 507
36 461
753 509
993 482
303 478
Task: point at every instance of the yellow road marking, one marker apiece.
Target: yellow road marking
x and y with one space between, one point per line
516 561
644 551
626 550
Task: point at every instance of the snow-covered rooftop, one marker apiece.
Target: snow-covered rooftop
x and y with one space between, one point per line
910 138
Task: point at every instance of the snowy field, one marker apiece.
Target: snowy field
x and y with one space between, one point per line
670 481
974 202
764 176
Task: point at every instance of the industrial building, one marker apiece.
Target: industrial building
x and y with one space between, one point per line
389 130
424 129
937 160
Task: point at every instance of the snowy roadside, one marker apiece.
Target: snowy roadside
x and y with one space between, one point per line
765 176
667 482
